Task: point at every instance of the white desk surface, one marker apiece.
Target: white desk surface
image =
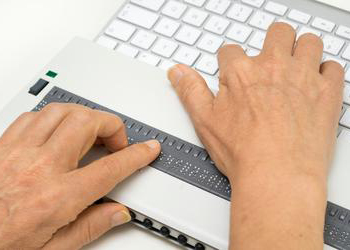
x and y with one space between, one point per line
32 32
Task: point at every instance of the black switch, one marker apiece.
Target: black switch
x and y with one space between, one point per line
199 246
165 231
38 87
182 239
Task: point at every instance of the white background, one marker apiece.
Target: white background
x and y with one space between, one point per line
32 32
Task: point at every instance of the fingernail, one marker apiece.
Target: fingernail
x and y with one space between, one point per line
175 74
152 144
121 217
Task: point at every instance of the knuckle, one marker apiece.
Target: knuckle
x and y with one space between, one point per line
82 116
53 107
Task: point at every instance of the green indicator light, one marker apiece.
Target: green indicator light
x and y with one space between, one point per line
51 74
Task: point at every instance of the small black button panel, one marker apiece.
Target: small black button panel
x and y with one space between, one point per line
38 87
193 165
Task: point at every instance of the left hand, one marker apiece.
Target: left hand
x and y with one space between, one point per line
45 200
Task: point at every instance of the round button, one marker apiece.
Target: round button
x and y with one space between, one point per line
132 215
164 231
182 239
147 223
199 246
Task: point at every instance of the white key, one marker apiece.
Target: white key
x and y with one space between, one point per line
345 120
107 42
210 43
166 65
294 25
217 25
329 58
347 75
262 20
186 56
149 58
252 52
120 30
276 8
218 6
343 31
188 35
164 47
127 50
257 40
167 27
239 32
332 44
208 64
299 16
323 24
174 9
346 53
305 30
198 3
138 16
347 94
212 82
239 12
152 5
195 17
254 3
143 39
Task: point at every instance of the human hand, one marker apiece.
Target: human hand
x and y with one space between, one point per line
280 106
271 129
44 198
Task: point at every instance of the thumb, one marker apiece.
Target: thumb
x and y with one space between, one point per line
90 225
192 90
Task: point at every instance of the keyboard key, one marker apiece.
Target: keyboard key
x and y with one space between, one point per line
152 5
174 9
138 16
195 17
143 39
212 82
188 35
254 3
210 43
305 30
167 27
149 58
239 12
257 40
208 64
164 47
107 42
299 16
346 53
262 20
252 52
276 8
343 31
345 120
347 75
218 6
323 24
347 94
166 65
120 30
332 45
239 32
294 25
127 50
198 3
217 25
330 58
186 56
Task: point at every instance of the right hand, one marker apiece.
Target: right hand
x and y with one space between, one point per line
280 107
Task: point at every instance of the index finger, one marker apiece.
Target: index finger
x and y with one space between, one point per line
93 181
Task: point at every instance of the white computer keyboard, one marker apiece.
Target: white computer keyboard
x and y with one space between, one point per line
165 32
